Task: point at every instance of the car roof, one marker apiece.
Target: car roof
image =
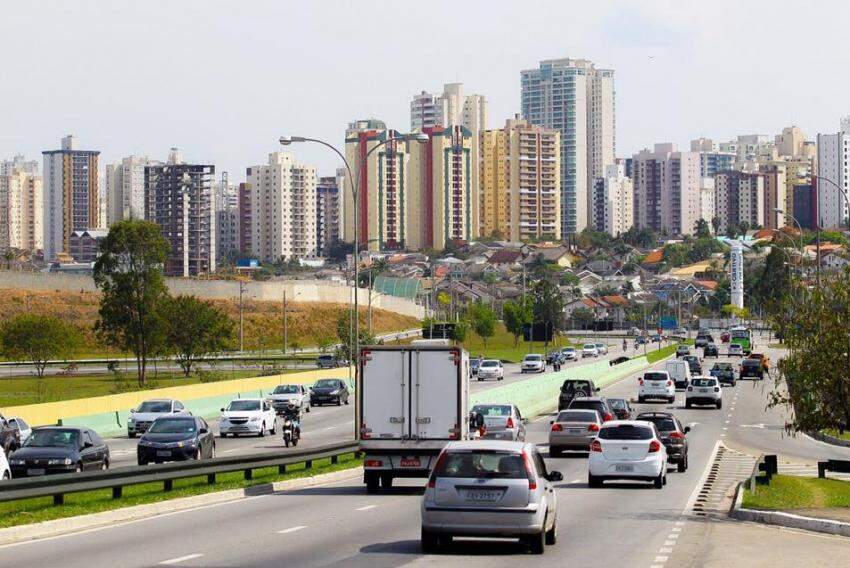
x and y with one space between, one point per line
158 400
253 399
77 428
503 445
614 423
616 398
589 398
655 415
492 404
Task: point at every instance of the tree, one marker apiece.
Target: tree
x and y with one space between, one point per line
129 275
343 332
194 329
37 339
516 315
715 224
584 316
548 304
701 229
482 319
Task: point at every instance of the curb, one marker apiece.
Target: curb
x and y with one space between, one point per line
827 439
788 520
59 527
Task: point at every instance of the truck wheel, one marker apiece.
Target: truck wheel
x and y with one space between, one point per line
386 482
372 483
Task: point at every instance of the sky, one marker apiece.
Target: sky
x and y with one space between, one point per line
223 80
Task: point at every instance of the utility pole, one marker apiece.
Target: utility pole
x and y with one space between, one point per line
241 317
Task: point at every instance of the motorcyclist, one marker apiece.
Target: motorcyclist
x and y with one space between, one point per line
293 412
625 345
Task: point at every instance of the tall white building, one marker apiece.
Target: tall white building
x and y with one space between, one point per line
283 198
707 206
613 200
21 212
18 163
833 170
667 189
575 98
125 188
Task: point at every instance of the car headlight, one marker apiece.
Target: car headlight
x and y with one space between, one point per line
17 462
59 461
254 419
143 443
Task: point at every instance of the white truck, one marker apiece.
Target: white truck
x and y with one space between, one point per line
412 400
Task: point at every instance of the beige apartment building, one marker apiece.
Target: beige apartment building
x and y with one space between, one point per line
21 199
520 182
739 197
667 189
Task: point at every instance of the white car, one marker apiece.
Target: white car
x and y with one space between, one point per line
704 390
627 449
247 416
21 426
602 348
143 416
491 369
5 471
282 395
589 350
656 384
570 354
735 350
533 363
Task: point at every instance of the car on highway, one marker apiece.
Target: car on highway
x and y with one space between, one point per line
58 449
683 350
570 354
655 385
762 358
724 372
329 391
627 449
673 435
602 348
710 350
735 350
575 388
282 395
501 421
656 338
5 471
532 363
10 437
703 339
489 488
596 403
621 407
694 364
176 438
21 426
640 340
751 368
704 391
589 350
680 371
573 430
327 361
491 369
142 416
247 416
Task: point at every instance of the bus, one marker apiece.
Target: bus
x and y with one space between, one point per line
742 335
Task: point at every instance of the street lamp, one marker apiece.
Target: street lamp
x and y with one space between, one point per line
800 227
817 213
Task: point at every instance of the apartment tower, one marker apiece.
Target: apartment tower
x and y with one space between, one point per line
667 190
613 200
833 180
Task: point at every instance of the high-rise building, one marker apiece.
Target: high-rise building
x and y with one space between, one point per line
520 177
70 195
791 142
225 193
711 160
382 186
613 200
707 207
18 163
833 179
246 218
283 201
21 213
667 190
179 198
575 98
804 204
739 198
125 189
328 220
775 194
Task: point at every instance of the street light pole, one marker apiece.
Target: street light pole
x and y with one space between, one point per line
817 213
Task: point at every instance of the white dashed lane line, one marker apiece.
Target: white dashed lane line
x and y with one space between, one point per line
180 559
292 529
366 508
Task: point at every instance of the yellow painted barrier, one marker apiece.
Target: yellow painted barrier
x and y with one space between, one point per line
51 412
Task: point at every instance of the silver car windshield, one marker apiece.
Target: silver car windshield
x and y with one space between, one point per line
492 410
285 389
477 464
155 406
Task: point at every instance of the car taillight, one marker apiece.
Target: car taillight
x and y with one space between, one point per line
690 389
557 427
509 423
608 416
365 433
373 463
593 428
716 389
529 472
640 382
677 436
669 383
432 481
654 446
596 446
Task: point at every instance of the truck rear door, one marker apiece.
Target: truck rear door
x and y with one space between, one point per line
386 395
435 394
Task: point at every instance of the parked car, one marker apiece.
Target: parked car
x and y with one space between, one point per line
5 471
710 350
327 361
57 449
282 395
570 354
10 437
575 388
491 369
602 349
326 391
736 350
621 407
247 416
474 483
501 421
656 384
694 364
533 363
679 371
573 430
593 403
751 368
683 350
704 390
627 449
176 438
589 350
672 435
142 417
724 372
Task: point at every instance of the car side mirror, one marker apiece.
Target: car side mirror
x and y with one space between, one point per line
222 410
87 445
525 420
555 476
132 411
687 429
551 422
203 431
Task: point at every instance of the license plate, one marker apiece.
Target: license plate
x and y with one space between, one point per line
703 390
411 462
163 453
656 384
576 431
624 467
36 471
483 495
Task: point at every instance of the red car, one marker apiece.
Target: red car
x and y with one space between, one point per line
725 337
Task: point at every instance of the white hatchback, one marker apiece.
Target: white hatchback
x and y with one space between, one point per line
627 449
247 416
589 350
704 390
656 384
735 350
491 369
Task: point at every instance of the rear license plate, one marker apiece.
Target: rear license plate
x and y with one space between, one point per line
483 495
36 471
411 462
656 384
163 453
703 390
624 467
575 430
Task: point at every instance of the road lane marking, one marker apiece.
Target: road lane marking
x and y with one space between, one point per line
665 550
180 559
577 480
728 421
674 535
330 427
678 529
669 543
366 508
660 559
292 529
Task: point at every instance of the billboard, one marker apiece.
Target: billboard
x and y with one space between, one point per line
669 322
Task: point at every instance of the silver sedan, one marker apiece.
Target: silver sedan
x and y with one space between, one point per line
501 422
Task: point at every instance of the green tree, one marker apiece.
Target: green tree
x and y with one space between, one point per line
343 332
194 329
548 303
482 319
701 229
516 315
37 339
583 316
129 275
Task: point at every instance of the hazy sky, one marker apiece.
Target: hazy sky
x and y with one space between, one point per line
223 80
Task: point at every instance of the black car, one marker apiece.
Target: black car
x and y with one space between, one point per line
56 449
574 388
327 391
593 403
710 350
330 362
621 407
10 437
176 438
673 435
724 372
694 363
752 368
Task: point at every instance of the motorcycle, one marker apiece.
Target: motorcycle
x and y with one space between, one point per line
291 433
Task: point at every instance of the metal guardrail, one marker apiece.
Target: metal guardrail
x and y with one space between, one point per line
766 464
837 466
58 486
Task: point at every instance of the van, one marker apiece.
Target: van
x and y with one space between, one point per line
680 371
